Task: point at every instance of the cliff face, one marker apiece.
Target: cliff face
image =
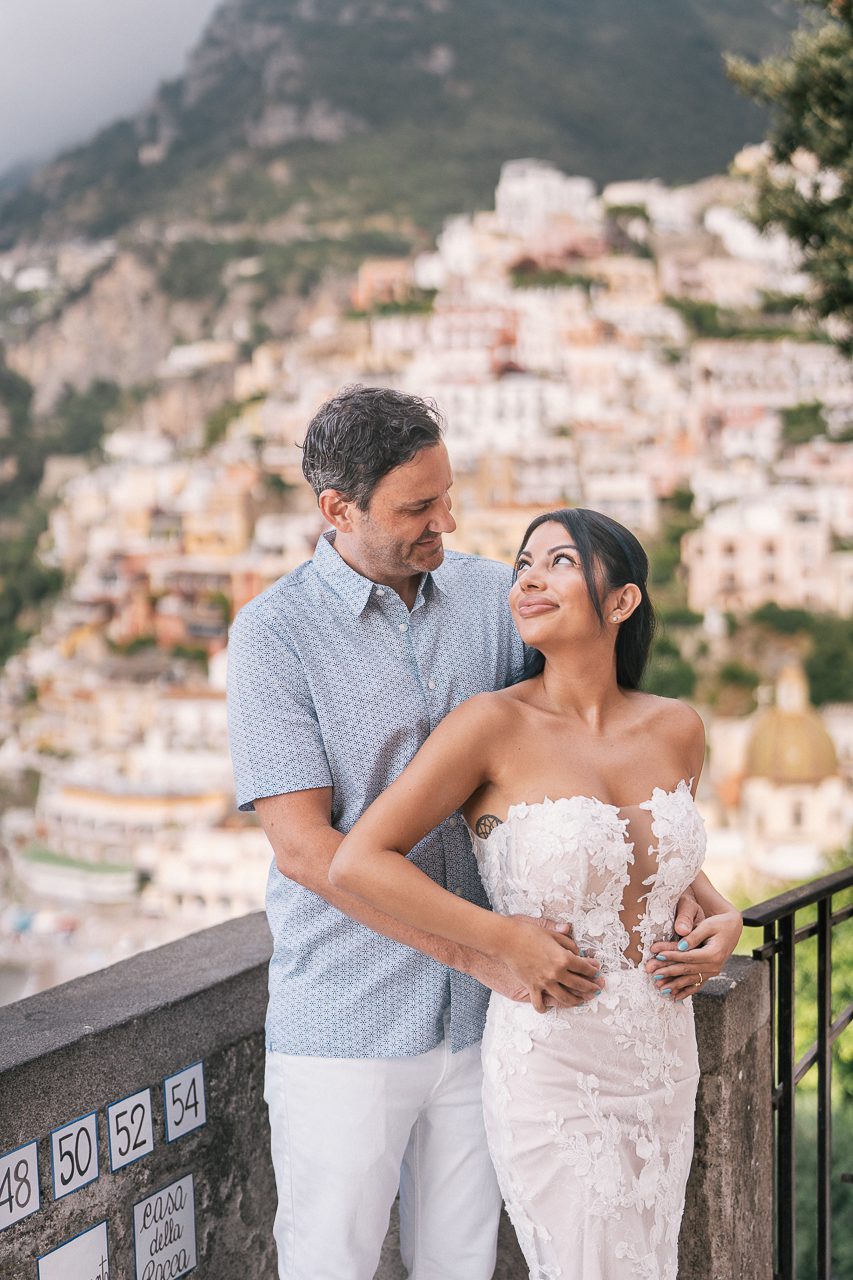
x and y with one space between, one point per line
349 108
119 330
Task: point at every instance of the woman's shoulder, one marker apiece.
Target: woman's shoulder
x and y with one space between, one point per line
680 723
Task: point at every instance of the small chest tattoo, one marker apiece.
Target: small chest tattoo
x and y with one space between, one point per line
486 825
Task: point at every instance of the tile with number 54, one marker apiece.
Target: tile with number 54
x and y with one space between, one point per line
186 1107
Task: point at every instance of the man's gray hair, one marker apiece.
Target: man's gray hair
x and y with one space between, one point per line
361 434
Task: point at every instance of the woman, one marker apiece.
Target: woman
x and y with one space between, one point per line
579 792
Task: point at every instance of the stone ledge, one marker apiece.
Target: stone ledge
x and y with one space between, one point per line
90 1042
728 1010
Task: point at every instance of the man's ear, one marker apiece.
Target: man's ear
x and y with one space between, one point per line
337 509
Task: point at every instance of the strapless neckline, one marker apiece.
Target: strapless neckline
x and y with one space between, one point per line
523 807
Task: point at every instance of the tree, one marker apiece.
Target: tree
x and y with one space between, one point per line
809 89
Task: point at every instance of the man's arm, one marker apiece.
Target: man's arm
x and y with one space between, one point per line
298 826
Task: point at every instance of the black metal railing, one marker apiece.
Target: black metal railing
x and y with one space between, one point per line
777 918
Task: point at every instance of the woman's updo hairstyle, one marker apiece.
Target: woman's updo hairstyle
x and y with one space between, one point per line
611 557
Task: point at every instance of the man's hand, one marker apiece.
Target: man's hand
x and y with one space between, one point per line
701 953
688 913
498 976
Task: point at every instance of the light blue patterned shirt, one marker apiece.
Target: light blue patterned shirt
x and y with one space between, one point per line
333 682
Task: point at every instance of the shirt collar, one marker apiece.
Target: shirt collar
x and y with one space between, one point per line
353 588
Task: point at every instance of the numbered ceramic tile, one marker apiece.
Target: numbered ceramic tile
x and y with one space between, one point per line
83 1257
74 1155
130 1129
185 1103
164 1231
19 1184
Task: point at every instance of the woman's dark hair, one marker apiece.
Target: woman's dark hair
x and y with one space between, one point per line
611 549
361 434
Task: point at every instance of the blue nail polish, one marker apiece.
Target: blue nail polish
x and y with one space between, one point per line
658 977
683 945
667 991
582 951
660 957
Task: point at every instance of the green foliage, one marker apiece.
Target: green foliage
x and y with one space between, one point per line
191 653
625 212
276 484
805 1035
16 396
129 647
828 666
779 304
802 422
679 616
681 500
785 622
668 674
529 275
216 427
665 550
707 320
193 269
841 1199
81 416
735 673
810 92
76 426
416 302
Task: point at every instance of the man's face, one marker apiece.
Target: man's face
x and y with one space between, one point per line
400 533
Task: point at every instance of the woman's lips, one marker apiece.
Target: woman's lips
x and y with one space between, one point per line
530 608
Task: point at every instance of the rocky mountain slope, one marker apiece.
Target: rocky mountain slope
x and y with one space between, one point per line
325 115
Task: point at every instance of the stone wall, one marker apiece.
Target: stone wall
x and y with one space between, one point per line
80 1047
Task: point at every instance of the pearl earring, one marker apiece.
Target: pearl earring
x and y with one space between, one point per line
614 617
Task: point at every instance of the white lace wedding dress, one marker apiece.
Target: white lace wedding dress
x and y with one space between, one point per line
589 1111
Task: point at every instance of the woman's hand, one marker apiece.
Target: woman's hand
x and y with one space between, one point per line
548 964
680 968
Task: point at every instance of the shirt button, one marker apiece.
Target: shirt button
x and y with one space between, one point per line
459 893
379 591
404 626
451 822
430 684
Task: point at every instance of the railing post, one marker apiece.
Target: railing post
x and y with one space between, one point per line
824 1089
785 1133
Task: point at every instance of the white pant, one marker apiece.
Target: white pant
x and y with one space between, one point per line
347 1132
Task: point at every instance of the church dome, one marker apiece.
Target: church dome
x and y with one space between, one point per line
790 743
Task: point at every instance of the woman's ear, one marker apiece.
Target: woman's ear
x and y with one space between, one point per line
622 602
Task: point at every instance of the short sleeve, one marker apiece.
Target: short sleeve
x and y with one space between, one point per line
276 742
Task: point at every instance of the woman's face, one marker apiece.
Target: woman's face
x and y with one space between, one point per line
549 598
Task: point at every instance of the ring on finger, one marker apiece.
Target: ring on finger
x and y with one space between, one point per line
700 979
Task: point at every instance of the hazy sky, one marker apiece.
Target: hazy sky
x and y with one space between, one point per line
69 66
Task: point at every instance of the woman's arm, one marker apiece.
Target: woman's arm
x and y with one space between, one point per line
454 762
709 944
710 934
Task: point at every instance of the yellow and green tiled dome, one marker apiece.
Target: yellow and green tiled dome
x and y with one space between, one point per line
790 743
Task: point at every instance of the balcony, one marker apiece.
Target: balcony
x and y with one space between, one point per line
125 1034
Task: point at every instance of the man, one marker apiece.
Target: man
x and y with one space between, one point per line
337 674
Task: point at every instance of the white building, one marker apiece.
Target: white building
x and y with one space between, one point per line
747 554
531 192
